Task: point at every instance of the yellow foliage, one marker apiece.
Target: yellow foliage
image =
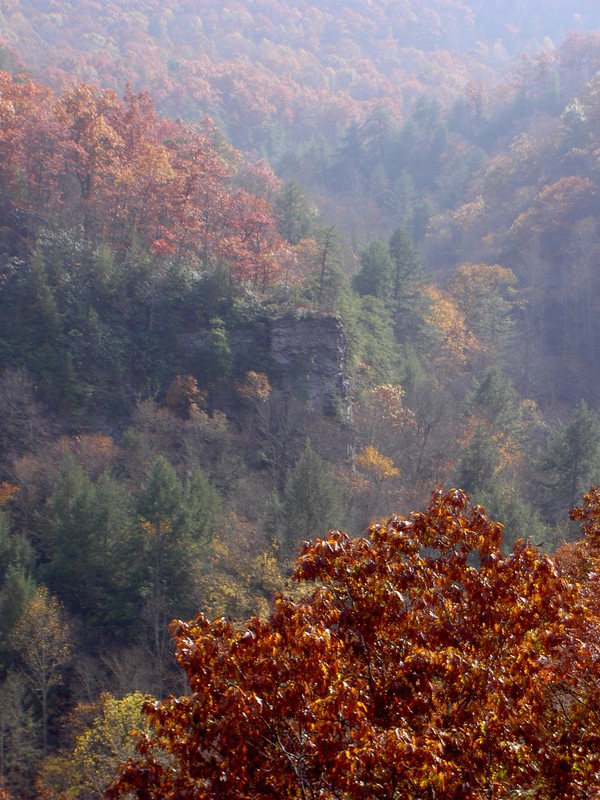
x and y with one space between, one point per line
106 742
456 341
371 460
42 637
469 213
472 282
183 395
163 529
239 577
265 573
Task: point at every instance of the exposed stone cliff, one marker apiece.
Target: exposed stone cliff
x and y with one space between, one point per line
304 357
309 356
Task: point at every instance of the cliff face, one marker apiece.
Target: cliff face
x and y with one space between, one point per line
309 357
304 358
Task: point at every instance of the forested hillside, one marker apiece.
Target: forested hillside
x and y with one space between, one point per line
264 271
277 74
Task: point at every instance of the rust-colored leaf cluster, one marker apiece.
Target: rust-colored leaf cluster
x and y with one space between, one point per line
424 663
7 491
254 387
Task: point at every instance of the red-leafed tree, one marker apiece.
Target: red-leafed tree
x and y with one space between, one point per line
424 663
121 174
254 242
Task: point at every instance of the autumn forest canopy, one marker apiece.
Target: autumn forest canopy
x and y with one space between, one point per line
273 269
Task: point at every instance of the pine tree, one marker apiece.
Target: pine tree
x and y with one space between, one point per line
177 522
17 590
570 463
273 519
19 736
95 558
313 498
376 271
494 400
295 213
73 542
478 462
409 303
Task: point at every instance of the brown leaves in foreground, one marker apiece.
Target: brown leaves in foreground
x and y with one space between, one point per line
424 664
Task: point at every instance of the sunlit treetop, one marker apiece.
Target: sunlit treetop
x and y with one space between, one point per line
422 663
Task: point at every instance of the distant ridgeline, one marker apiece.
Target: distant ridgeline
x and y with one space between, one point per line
304 357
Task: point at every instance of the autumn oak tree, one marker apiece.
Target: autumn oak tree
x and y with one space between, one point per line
423 663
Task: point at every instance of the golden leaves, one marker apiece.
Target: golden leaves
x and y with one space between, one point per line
184 397
373 462
456 342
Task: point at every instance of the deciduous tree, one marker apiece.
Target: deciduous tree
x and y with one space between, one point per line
485 294
424 663
84 771
42 640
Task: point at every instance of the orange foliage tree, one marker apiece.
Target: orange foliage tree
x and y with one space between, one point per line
455 344
125 176
424 663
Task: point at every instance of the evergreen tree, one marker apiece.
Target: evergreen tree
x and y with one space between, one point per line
219 363
273 519
313 498
401 200
74 546
200 508
166 558
295 213
372 349
19 737
494 400
15 548
570 462
328 279
31 323
22 425
377 133
95 559
177 521
119 562
351 159
407 277
478 462
160 499
17 590
376 271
